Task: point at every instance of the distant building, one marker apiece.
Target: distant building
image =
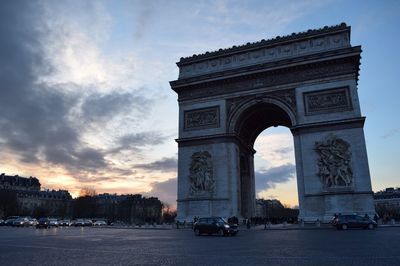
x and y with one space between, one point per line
388 197
33 201
130 208
265 207
27 198
19 183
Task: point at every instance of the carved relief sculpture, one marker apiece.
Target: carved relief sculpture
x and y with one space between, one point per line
334 162
202 118
327 101
201 173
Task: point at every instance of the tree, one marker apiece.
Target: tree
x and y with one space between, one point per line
87 191
168 215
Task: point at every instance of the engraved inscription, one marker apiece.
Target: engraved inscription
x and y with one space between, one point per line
202 118
334 162
327 101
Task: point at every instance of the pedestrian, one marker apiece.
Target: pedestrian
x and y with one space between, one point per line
376 217
248 224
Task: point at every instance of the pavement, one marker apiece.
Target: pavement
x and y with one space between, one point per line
307 226
113 246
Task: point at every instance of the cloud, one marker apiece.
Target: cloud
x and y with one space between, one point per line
163 165
391 133
166 191
268 178
45 122
275 149
136 141
104 107
34 117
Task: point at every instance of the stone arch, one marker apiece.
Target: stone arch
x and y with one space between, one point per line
306 82
248 120
250 113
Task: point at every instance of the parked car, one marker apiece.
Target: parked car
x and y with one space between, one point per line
83 222
353 221
32 221
10 220
53 222
43 223
214 225
64 222
2 222
100 223
21 221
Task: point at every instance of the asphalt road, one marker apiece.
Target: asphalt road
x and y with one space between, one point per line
106 246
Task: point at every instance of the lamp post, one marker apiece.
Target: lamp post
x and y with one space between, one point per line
266 214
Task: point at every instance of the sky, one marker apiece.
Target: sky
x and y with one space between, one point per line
85 99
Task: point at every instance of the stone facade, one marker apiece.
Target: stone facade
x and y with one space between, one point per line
32 200
306 82
131 209
390 197
19 183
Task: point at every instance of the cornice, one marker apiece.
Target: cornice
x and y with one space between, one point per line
263 43
269 66
270 77
277 49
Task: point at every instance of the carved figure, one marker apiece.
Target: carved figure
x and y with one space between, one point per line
201 118
201 173
334 162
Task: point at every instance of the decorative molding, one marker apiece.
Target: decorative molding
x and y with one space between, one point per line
312 41
287 96
327 101
334 163
271 78
201 174
202 118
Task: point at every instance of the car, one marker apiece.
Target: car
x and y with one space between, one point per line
21 221
2 222
43 223
10 220
100 223
65 222
53 222
83 222
214 225
32 221
353 221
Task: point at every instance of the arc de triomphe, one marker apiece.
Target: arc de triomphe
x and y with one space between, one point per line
306 82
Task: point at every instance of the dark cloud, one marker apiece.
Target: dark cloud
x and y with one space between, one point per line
266 179
33 116
136 141
163 165
283 150
166 191
102 107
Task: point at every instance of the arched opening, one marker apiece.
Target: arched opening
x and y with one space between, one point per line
275 175
251 122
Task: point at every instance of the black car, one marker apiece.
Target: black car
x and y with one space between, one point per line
353 221
214 225
43 223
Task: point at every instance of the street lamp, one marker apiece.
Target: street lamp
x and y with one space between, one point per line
266 217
